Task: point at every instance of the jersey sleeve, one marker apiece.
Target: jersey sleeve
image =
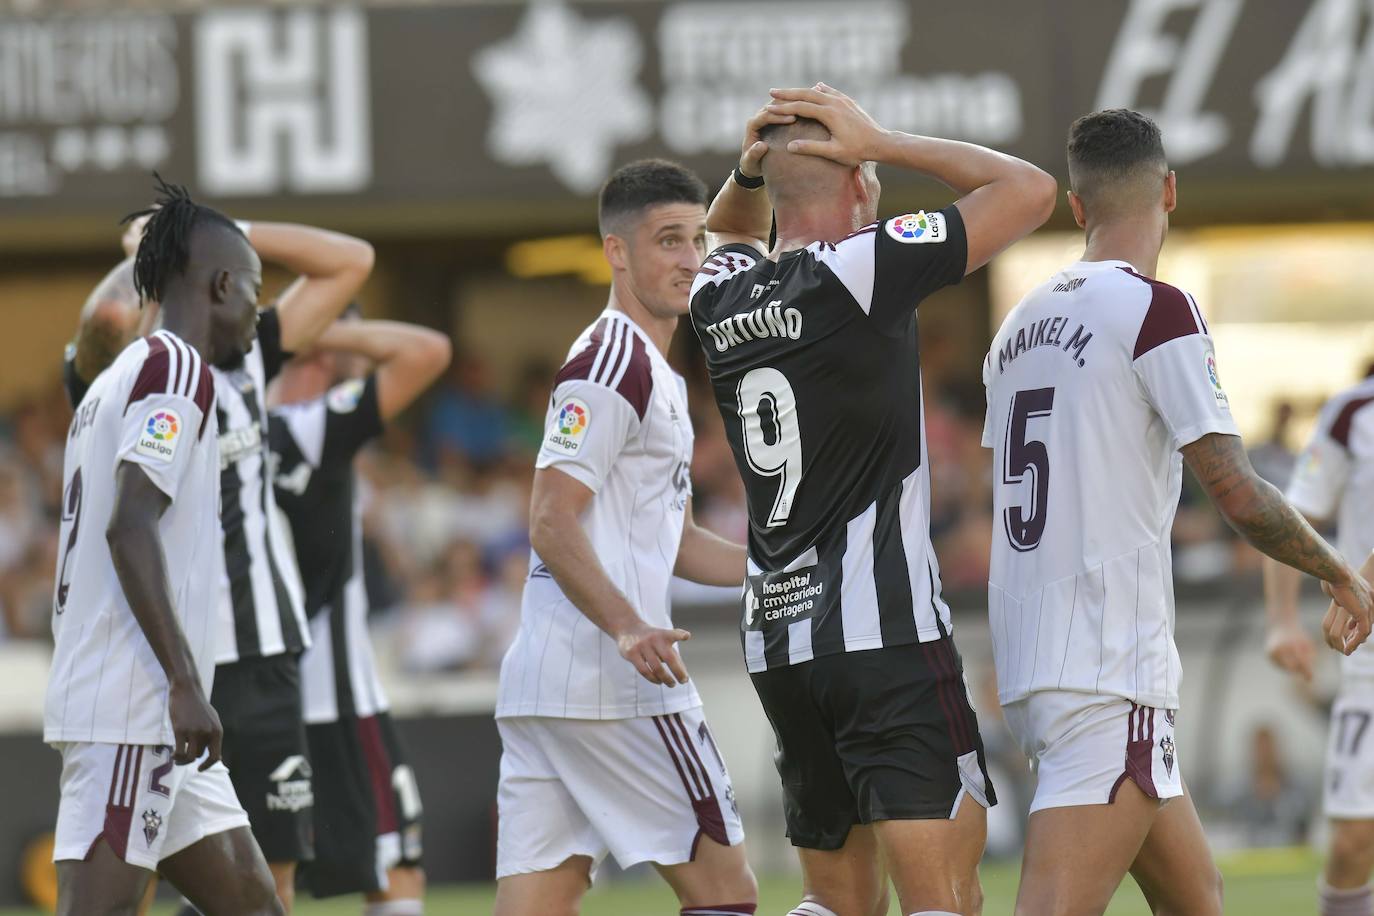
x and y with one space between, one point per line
721 265
1175 362
352 419
165 418
890 266
600 397
1322 470
269 342
988 441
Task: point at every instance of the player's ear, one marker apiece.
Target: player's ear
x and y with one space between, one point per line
220 283
1079 215
617 252
1170 191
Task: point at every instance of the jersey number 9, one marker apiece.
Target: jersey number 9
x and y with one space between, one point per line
772 435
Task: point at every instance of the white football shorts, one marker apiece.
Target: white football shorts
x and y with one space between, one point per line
1349 791
1083 746
645 789
143 806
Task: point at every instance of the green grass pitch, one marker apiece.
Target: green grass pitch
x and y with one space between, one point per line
1278 882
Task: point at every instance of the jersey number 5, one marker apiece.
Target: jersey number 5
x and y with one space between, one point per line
772 435
1025 525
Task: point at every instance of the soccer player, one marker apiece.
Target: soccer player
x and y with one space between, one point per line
1096 382
814 362
605 747
326 407
142 787
262 624
1334 480
263 628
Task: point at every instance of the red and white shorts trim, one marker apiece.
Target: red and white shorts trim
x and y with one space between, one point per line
644 789
141 804
1083 746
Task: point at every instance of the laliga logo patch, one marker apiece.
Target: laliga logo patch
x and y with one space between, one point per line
344 398
917 228
159 437
569 427
1216 381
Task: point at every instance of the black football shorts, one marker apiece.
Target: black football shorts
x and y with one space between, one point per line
367 806
265 749
882 734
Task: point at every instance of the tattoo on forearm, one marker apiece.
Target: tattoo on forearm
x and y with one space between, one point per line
1257 510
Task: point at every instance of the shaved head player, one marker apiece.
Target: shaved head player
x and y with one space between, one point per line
813 357
142 788
1101 384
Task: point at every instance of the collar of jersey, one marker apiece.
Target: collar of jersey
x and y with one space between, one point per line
1080 266
617 314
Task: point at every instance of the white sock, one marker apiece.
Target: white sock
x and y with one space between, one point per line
1354 901
395 908
935 913
810 908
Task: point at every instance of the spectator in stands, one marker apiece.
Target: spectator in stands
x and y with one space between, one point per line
467 423
1273 459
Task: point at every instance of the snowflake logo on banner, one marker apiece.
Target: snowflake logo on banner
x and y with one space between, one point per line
566 93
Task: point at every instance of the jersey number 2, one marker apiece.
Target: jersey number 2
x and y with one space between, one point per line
772 435
1025 525
71 512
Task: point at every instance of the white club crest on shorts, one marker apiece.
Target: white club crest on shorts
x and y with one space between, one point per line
917 228
569 427
152 823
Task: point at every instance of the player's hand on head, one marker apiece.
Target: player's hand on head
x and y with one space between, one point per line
133 235
195 726
1291 649
1355 604
653 652
754 149
854 136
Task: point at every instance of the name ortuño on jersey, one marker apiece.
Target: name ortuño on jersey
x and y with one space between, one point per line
815 367
1334 480
1094 382
153 407
618 424
260 603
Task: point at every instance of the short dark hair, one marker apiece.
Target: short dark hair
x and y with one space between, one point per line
165 249
1107 146
643 184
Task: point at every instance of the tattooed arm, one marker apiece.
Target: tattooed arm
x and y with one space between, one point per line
1260 514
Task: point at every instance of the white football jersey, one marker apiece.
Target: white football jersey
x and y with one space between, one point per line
153 407
617 423
1334 480
1094 382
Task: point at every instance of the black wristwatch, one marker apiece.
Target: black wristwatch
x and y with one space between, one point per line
744 181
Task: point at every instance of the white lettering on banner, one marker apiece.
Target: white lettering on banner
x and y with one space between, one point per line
1143 50
84 93
282 101
1324 65
716 69
566 93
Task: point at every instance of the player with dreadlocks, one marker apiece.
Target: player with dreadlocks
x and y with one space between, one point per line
263 631
143 789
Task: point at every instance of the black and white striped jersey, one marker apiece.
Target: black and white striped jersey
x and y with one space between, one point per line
815 366
261 610
314 444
